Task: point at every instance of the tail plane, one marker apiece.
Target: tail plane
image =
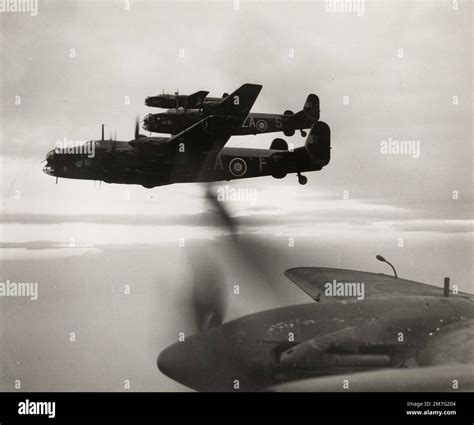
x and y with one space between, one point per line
311 107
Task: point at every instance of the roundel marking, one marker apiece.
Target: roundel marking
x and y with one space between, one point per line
237 167
262 125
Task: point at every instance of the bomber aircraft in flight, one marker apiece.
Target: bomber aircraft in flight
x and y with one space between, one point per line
196 154
176 120
193 101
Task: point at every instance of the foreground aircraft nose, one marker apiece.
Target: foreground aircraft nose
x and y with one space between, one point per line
146 121
175 362
214 360
198 363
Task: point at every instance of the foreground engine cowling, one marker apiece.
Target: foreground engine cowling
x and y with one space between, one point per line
318 143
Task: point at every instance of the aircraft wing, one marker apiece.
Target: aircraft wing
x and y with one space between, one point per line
206 136
209 135
204 139
314 280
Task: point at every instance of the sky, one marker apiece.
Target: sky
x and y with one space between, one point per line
399 71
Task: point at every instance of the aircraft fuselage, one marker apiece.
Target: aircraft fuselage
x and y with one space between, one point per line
119 162
172 122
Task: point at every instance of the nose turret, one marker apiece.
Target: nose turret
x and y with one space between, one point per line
50 163
146 122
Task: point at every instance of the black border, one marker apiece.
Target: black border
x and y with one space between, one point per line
130 404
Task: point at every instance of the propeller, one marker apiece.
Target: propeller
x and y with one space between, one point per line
112 147
137 127
209 301
106 152
246 250
176 93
